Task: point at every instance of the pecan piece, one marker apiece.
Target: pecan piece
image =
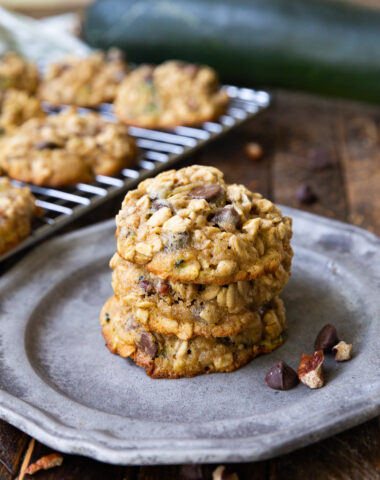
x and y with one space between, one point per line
342 351
44 463
310 369
147 286
221 473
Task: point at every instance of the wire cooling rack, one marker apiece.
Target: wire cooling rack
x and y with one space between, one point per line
159 149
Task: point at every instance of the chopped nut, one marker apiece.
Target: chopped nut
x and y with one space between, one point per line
44 463
310 370
326 338
253 150
221 473
342 351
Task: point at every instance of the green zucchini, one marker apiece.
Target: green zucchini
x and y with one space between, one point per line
315 45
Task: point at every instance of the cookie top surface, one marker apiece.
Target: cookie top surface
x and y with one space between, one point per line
173 93
190 226
16 107
66 148
84 82
166 356
17 208
18 73
187 310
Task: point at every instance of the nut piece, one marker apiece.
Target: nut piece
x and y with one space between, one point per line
221 473
44 463
310 370
326 338
281 376
342 351
253 150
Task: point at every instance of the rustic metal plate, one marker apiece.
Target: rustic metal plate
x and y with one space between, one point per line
60 384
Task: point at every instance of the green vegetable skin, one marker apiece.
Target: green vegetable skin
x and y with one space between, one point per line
316 45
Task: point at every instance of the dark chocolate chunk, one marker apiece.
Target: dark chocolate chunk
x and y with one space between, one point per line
147 286
147 345
158 204
163 287
326 339
281 376
46 145
207 192
226 217
306 194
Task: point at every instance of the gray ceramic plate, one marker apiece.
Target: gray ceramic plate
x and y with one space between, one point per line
60 384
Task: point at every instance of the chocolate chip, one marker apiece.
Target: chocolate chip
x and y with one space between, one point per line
46 145
306 194
206 192
163 287
147 345
319 159
281 376
147 286
226 218
326 338
158 204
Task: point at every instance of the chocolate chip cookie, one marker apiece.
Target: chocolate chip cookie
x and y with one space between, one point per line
16 107
18 73
187 310
173 93
17 209
192 227
66 148
84 82
166 356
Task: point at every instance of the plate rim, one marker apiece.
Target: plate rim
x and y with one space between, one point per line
30 419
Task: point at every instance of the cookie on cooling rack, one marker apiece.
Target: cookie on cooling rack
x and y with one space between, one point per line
190 226
174 93
18 73
17 209
66 148
166 356
16 107
84 82
187 310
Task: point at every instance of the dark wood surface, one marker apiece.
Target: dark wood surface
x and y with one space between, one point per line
295 130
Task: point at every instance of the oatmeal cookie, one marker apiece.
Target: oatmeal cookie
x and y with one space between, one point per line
192 227
66 148
173 93
166 356
84 82
17 208
16 107
187 310
18 73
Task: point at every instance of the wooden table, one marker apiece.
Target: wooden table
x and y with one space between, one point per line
292 132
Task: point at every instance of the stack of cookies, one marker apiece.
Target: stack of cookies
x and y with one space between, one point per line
197 274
